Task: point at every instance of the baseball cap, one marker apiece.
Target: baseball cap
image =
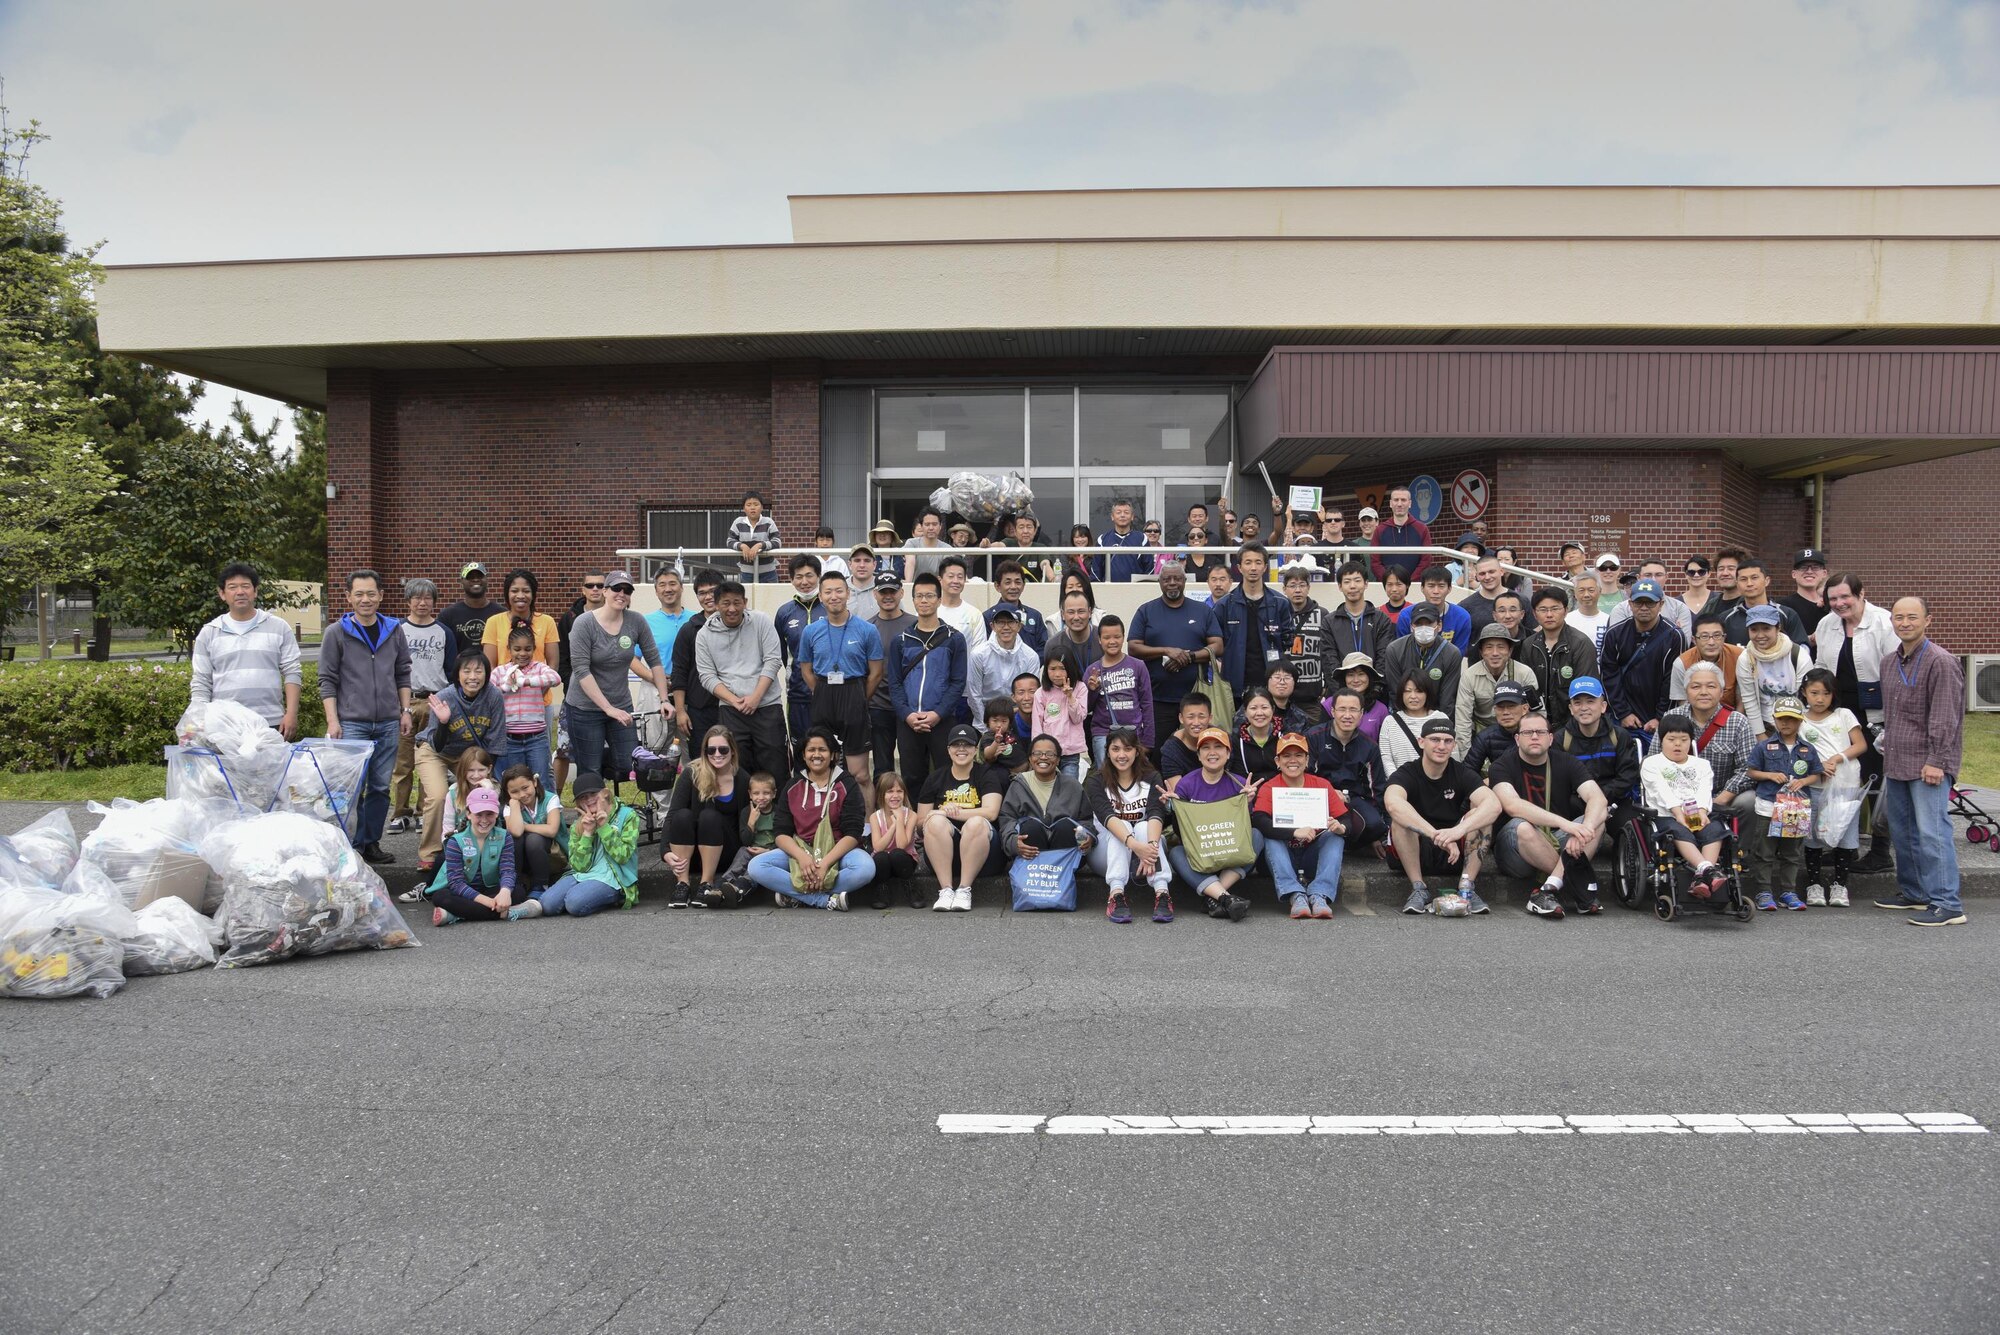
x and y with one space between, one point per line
1493 630
1648 590
1763 614
1216 735
1510 693
888 580
1809 556
618 579
1608 559
1291 741
583 785
1368 512
1788 706
1590 686
472 568
1437 725
963 734
1005 614
483 799
1423 612
861 549
1566 546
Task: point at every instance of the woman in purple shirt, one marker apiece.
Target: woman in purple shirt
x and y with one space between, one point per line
1212 783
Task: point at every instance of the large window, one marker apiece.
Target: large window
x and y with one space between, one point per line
687 528
946 429
1171 428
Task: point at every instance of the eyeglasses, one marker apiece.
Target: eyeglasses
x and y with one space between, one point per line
719 751
597 585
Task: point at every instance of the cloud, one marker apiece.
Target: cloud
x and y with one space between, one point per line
219 130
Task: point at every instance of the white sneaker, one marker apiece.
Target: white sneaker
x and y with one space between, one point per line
964 904
947 900
1836 895
837 901
1815 896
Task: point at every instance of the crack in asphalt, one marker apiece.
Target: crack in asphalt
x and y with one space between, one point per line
458 1281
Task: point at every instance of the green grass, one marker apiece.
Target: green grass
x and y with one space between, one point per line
1982 750
137 782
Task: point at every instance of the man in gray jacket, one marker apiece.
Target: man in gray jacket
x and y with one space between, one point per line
364 681
736 656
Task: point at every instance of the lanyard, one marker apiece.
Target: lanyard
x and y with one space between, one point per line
1916 661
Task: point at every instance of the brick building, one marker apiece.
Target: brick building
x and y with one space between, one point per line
1669 370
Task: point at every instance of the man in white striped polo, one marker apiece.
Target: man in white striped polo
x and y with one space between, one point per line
248 655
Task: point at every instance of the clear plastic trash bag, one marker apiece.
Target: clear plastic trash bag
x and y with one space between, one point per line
227 751
1016 495
975 495
172 937
322 779
58 945
49 845
150 849
292 885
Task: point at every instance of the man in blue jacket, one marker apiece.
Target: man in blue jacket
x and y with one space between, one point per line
926 669
1253 623
364 682
1637 663
1456 620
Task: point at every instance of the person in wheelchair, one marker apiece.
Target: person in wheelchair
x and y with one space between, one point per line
1679 792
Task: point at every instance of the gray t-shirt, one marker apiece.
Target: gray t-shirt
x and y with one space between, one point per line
430 648
607 657
889 629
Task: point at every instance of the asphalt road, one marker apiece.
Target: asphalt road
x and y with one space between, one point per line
680 1121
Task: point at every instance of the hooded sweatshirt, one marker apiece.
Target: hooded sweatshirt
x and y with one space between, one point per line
737 658
480 722
363 669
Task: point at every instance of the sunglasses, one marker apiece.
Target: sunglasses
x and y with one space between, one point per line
719 751
625 589
1694 572
589 585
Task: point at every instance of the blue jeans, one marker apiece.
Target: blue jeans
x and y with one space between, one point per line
1920 826
1321 859
386 734
589 729
532 751
773 872
1177 859
1070 767
578 897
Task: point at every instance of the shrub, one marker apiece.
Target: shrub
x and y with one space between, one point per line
89 715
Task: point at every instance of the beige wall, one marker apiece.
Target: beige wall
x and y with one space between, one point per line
1369 211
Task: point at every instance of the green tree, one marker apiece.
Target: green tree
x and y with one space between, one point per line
196 504
299 485
54 480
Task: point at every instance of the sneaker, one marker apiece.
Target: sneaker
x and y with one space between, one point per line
1238 907
680 896
1544 905
1419 900
1300 908
1702 884
530 909
1116 909
1901 901
837 901
1587 903
1936 917
1473 903
1322 907
1163 906
947 899
963 903
709 895
411 895
397 825
439 918
1788 900
1766 904
1836 895
1215 906
1816 896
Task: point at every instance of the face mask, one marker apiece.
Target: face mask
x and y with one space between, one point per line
1424 634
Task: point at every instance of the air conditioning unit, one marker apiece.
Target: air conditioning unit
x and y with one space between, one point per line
1982 683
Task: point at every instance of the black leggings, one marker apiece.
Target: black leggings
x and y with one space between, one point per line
539 854
702 827
464 906
894 864
1843 862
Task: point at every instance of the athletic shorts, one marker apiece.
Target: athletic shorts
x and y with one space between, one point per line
844 709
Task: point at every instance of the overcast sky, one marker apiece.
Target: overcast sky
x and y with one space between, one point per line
193 131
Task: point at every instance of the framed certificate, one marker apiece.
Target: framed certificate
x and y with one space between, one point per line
1298 808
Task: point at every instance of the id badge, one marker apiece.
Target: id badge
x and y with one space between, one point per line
1271 655
836 678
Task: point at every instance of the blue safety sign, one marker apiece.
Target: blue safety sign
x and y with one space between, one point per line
1426 498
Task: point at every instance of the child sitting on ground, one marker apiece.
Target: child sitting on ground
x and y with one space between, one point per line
535 823
1678 788
758 823
892 840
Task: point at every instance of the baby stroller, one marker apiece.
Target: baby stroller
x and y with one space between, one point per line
1980 828
1649 866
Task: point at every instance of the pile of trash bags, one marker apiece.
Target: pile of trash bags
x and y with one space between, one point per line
176 884
228 753
981 496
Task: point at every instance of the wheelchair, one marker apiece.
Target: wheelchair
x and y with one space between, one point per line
1649 872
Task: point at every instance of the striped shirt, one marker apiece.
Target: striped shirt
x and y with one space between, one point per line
250 662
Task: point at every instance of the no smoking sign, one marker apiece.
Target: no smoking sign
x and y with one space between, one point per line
1470 494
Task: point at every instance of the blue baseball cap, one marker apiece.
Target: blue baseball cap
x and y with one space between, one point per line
1586 686
1648 590
1763 614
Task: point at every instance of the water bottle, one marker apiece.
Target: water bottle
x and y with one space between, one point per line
674 752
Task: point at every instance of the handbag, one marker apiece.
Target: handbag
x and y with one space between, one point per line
1213 687
822 840
1215 836
1045 881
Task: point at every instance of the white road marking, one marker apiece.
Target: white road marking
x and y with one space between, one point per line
1505 1124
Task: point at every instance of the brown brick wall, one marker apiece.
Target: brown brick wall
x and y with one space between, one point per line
1926 528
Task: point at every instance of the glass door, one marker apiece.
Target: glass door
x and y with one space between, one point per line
1100 494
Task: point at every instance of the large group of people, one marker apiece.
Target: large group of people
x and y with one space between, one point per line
879 724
